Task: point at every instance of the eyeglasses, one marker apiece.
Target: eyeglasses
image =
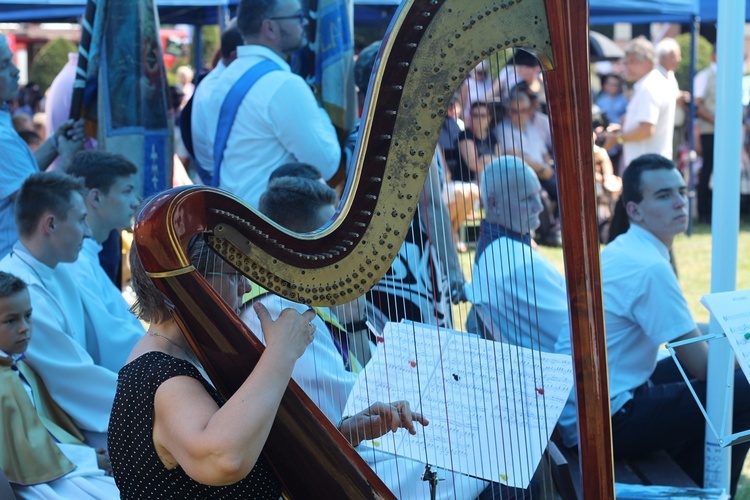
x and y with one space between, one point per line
301 16
234 276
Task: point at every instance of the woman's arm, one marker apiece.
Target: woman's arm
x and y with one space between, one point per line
220 446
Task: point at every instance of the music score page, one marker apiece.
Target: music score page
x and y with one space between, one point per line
491 406
732 311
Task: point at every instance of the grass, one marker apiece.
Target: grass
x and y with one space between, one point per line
693 255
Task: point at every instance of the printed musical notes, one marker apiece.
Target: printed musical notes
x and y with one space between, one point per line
732 311
492 406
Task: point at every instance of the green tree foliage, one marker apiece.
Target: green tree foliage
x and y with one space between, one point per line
49 61
704 58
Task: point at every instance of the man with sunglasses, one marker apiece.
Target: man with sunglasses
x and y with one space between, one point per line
278 119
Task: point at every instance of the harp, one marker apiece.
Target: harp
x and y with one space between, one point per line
431 47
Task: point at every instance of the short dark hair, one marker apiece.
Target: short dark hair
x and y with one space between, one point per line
293 202
251 14
231 38
296 169
10 285
151 304
631 178
99 169
45 192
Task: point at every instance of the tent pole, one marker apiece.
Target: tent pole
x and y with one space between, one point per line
694 34
726 212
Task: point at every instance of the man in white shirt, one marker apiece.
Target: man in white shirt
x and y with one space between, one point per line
517 292
670 56
51 220
652 406
648 125
279 120
111 329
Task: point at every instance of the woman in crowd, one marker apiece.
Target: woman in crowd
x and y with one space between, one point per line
478 146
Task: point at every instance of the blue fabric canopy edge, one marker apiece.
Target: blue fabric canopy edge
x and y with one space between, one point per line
642 11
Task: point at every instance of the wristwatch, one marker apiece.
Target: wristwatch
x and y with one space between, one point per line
620 139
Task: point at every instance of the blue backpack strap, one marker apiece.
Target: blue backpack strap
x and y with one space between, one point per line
229 111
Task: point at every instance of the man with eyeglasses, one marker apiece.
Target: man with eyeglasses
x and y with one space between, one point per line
278 119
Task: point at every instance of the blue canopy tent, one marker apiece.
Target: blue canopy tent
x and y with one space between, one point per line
170 11
642 11
709 10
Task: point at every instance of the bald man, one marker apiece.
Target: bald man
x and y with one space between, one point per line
518 293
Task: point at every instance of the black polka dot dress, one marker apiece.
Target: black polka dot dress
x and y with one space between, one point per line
138 471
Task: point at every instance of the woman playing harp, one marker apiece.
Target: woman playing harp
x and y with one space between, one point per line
171 431
434 44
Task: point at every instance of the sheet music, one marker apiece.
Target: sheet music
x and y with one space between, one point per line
732 311
491 406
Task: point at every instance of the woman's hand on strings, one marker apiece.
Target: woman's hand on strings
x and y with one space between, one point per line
291 332
379 419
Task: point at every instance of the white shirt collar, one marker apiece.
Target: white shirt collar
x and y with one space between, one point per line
647 237
262 51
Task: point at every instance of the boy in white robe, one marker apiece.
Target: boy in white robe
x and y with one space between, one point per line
111 329
41 450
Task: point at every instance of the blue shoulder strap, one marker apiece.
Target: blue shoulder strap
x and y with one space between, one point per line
229 111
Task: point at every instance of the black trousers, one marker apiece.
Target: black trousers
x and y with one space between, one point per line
704 193
664 416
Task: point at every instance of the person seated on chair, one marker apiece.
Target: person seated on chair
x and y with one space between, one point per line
41 450
652 406
304 205
51 219
518 294
111 329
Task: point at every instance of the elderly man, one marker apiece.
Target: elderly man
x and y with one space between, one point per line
17 162
278 118
652 406
670 56
648 125
51 219
517 292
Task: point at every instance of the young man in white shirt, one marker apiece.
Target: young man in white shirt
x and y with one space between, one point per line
652 406
111 329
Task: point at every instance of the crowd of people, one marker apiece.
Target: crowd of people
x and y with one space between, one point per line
112 407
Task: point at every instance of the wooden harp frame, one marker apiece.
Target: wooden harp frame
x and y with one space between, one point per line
431 47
